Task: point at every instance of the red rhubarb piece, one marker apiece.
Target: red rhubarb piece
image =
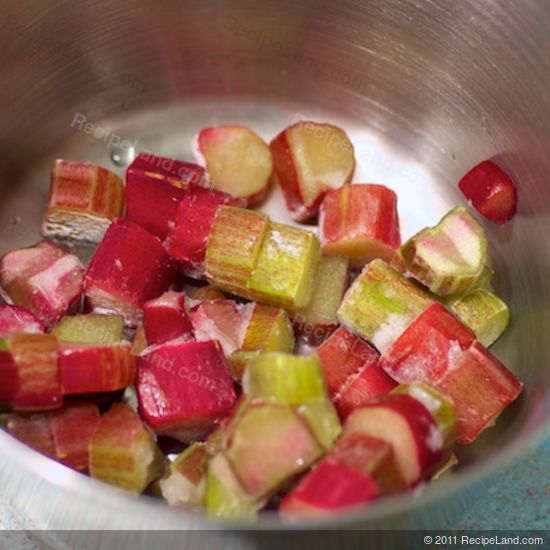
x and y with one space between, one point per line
45 279
342 355
84 199
16 320
96 368
72 430
430 346
360 221
129 267
490 191
183 388
165 318
34 430
154 188
327 490
480 387
410 428
186 241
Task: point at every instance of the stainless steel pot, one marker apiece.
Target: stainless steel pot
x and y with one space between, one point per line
425 88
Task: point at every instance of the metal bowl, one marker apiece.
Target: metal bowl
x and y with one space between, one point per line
426 89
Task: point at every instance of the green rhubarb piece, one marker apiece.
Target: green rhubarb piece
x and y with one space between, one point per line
286 267
440 406
184 481
269 446
286 379
224 496
448 258
238 361
483 312
381 303
234 244
91 328
268 329
323 421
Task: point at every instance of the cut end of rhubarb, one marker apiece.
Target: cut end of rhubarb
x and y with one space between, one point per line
91 328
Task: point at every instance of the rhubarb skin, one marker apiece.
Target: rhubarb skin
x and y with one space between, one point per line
409 427
35 360
491 191
269 445
342 355
96 368
165 318
222 320
17 320
316 321
9 379
381 304
448 258
371 381
430 346
73 428
484 313
360 221
84 199
234 243
162 182
238 161
91 328
123 452
310 159
285 268
44 278
129 267
329 489
187 240
268 329
480 387
184 388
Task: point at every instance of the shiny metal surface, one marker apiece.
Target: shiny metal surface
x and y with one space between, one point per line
425 88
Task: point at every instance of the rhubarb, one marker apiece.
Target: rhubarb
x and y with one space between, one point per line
16 320
92 328
268 329
207 292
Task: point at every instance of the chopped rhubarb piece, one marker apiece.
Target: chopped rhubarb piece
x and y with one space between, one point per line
9 379
34 430
165 318
371 381
430 346
123 452
44 278
410 428
158 181
16 320
92 328
490 191
269 446
96 368
233 247
35 359
183 388
224 495
448 258
372 456
483 312
84 199
316 321
73 428
360 221
480 387
268 329
329 489
238 361
238 161
309 159
286 267
342 355
221 320
380 304
184 482
323 422
207 292
128 268
186 242
139 342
